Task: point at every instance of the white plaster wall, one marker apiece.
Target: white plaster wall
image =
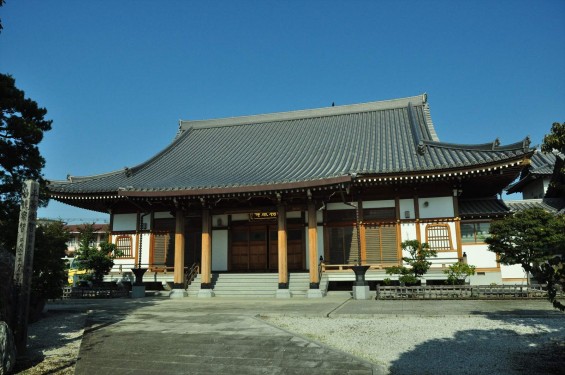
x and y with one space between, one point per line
219 220
407 232
437 207
220 250
124 222
145 245
379 204
320 241
479 256
535 189
294 214
306 236
146 222
444 259
163 215
514 271
340 206
485 278
546 182
240 217
407 205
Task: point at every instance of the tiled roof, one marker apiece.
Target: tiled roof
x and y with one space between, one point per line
554 205
304 148
541 164
475 208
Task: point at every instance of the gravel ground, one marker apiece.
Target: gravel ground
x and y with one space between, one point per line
442 345
401 344
53 344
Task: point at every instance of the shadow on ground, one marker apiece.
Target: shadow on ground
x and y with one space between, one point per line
60 320
499 351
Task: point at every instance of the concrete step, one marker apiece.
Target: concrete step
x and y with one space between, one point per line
252 284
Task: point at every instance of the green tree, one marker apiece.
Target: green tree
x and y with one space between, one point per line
49 271
535 239
89 257
555 140
22 125
458 272
418 263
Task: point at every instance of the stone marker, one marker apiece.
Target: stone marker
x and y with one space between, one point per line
24 261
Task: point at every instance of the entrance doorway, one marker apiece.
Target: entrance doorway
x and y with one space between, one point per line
255 248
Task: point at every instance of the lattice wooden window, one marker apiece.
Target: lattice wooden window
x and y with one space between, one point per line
161 246
381 246
124 247
438 237
343 245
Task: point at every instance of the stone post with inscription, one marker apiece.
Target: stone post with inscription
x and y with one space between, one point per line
24 261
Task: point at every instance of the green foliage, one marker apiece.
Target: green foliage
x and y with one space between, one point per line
555 140
418 264
535 239
526 237
22 125
49 270
458 272
98 261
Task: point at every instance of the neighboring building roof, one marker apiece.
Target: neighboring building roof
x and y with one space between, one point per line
555 205
481 208
541 165
97 228
296 150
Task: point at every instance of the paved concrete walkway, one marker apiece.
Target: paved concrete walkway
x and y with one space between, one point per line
227 336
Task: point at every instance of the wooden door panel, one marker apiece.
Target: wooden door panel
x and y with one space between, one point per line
273 250
294 256
240 257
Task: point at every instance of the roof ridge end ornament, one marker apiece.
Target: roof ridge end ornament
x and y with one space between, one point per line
496 143
421 149
526 143
128 171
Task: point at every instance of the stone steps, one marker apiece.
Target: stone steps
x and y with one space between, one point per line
254 284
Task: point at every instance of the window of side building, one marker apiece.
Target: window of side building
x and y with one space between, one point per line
474 232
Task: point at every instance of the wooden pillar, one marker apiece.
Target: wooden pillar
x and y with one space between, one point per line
282 247
313 246
417 217
178 277
457 228
206 266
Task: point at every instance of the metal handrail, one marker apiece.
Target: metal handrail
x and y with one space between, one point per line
152 266
191 274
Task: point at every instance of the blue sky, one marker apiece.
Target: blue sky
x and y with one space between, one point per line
116 77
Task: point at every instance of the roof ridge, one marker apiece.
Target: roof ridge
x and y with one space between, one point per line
71 179
489 146
305 113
